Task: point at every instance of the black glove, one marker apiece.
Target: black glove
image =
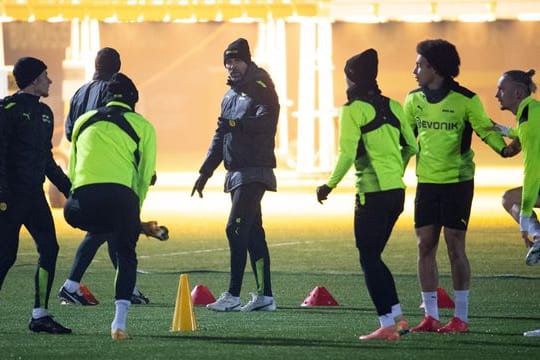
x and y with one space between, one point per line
322 192
64 187
222 125
199 185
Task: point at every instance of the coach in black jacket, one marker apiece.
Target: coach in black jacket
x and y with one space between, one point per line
92 95
26 128
244 141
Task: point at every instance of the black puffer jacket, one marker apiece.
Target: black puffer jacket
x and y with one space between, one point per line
26 128
248 141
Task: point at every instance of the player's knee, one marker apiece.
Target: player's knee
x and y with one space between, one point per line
370 262
511 198
50 251
426 249
507 200
456 255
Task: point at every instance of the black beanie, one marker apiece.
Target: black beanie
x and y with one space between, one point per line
238 49
362 67
107 62
26 70
121 88
442 55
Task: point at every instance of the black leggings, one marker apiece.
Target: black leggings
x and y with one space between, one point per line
373 224
31 210
246 234
114 209
86 252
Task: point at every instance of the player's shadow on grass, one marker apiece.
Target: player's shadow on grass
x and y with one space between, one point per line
527 317
416 341
352 343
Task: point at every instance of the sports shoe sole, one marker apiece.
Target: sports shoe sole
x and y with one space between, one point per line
228 309
533 256
532 333
119 335
378 335
268 307
66 299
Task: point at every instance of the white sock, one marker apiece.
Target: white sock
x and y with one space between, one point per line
430 304
387 320
396 310
120 317
462 304
38 313
136 291
71 286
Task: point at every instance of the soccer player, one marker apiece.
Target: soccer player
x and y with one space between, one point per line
444 115
91 96
514 92
26 128
244 141
112 161
374 136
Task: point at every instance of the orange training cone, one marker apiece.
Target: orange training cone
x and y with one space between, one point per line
201 295
319 296
444 301
184 317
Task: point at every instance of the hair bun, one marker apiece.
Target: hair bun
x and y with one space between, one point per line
531 72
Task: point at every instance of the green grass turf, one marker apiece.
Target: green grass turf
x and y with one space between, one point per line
306 252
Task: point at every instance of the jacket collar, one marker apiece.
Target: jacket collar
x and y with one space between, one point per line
119 104
522 105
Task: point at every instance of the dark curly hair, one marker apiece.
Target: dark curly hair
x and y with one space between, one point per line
442 55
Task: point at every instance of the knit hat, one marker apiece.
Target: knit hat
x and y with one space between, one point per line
107 62
442 55
238 49
362 67
121 88
26 70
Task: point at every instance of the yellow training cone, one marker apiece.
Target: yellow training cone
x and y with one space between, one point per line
184 317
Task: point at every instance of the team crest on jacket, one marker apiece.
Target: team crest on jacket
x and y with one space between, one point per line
45 118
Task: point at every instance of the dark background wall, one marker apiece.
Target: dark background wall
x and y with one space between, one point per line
178 68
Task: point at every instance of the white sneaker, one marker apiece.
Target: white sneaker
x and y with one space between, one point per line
533 256
225 302
532 333
259 303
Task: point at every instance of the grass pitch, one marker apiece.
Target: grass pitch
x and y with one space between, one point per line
310 250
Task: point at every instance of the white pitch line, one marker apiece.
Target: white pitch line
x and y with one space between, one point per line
216 250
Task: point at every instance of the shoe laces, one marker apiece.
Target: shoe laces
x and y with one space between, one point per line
254 297
226 296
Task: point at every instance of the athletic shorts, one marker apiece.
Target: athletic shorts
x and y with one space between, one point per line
448 205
